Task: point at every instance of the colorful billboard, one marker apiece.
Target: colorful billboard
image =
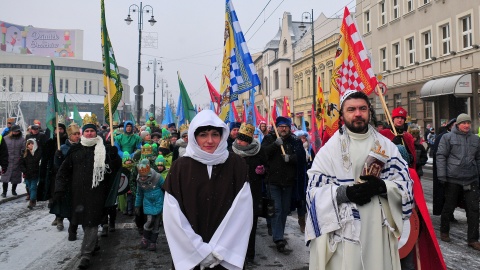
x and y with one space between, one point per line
37 41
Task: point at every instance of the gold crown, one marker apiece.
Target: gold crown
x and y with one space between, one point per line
165 144
247 130
87 119
72 128
147 150
183 128
143 167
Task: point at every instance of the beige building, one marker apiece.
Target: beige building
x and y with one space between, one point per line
326 35
428 54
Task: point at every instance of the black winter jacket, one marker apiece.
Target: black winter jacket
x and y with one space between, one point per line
30 165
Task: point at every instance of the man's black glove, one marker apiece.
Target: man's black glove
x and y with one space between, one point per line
398 140
358 194
58 196
376 186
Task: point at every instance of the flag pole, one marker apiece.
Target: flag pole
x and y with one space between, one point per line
385 108
110 117
273 120
58 131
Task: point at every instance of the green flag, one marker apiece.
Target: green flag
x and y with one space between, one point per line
52 102
185 109
111 74
116 117
132 118
77 118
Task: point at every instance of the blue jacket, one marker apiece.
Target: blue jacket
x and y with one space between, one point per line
150 195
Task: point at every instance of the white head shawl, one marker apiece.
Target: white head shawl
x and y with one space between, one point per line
207 118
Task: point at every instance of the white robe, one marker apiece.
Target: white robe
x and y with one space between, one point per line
230 239
348 236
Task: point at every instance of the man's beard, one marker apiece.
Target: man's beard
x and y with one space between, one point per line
16 135
355 128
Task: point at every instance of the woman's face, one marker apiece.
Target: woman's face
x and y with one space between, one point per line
147 138
208 140
242 143
30 146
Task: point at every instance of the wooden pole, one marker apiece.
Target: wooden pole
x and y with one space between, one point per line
58 131
385 109
273 121
110 117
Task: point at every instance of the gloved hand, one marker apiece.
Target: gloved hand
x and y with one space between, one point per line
278 141
59 154
213 259
286 157
260 169
58 196
358 194
398 140
137 211
376 186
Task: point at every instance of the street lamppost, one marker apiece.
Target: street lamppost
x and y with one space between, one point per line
164 82
155 62
138 89
306 15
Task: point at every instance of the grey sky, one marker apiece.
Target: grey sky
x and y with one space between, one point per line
190 33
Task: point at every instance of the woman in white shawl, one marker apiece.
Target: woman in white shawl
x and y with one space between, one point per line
208 207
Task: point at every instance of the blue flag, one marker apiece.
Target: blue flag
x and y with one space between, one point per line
304 126
168 117
212 106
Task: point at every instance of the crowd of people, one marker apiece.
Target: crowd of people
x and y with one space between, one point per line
207 183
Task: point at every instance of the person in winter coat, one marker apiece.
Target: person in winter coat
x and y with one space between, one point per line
128 141
250 150
286 175
458 167
85 172
181 144
16 146
150 198
30 167
3 156
421 153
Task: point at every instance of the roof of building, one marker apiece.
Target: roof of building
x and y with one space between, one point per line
69 98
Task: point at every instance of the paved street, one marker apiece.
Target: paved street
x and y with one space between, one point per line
28 241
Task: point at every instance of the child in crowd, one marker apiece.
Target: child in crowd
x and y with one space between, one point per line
150 198
30 166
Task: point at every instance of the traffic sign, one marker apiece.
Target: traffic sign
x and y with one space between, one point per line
383 88
138 90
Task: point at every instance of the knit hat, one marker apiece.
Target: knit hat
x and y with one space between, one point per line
235 125
15 128
451 122
346 95
160 161
143 134
399 112
245 133
183 130
283 121
171 125
155 148
463 117
143 167
156 134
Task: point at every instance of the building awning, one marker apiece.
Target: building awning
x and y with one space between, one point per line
458 85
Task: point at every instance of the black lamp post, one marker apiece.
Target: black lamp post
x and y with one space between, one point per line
138 89
306 15
155 62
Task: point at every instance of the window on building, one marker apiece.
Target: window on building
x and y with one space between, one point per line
287 77
425 1
329 78
383 59
61 86
409 5
367 21
412 104
395 10
301 88
309 84
466 31
297 90
427 42
285 47
275 79
428 109
411 50
39 89
21 84
84 87
397 100
383 15
10 83
445 38
265 83
66 85
34 84
76 86
396 54
90 87
322 80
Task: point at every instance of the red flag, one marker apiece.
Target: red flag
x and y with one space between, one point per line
315 134
274 112
235 113
214 95
286 107
258 116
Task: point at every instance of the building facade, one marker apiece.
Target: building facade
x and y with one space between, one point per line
427 52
